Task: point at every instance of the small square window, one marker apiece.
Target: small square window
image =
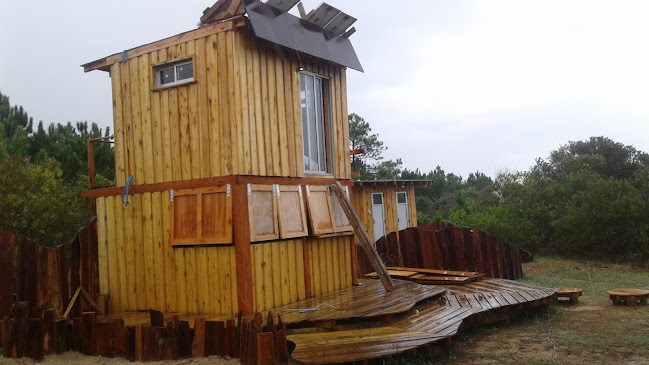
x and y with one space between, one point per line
401 198
377 199
174 74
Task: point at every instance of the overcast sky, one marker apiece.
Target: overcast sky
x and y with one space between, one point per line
467 85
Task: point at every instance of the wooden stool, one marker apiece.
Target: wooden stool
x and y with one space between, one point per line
572 293
630 297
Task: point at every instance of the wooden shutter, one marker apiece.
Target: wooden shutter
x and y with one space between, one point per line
292 212
320 209
341 223
201 216
262 212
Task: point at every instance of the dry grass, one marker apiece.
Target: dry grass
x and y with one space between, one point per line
592 332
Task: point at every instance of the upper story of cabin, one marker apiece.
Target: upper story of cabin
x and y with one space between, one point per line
252 91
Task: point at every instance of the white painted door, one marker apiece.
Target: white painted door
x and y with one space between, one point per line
378 214
402 210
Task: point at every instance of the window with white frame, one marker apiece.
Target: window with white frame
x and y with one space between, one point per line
316 127
174 74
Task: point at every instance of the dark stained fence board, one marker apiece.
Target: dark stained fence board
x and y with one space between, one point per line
459 248
104 340
198 343
49 332
120 338
27 271
7 246
63 276
34 347
394 252
409 244
438 259
447 238
75 269
469 250
492 253
265 348
425 249
443 249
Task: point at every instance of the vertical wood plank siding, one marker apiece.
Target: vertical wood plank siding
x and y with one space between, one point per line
203 279
241 115
145 272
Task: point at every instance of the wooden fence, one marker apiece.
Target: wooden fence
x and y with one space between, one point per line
449 248
247 339
46 278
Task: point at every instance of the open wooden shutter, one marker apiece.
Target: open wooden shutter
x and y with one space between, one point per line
262 212
320 209
341 223
201 216
292 212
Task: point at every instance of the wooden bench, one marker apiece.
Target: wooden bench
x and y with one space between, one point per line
572 293
630 297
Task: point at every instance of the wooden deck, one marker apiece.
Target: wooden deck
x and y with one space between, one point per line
480 302
366 322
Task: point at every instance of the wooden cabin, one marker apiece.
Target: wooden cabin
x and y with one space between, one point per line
386 206
226 137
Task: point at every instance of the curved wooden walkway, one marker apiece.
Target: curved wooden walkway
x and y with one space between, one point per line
480 302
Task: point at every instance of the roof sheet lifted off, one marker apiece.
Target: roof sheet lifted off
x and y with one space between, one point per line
290 31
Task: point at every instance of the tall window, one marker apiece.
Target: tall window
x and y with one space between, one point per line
316 130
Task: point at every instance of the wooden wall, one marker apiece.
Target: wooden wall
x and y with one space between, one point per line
140 270
241 116
362 201
287 271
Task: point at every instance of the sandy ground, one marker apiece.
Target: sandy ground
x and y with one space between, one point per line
71 357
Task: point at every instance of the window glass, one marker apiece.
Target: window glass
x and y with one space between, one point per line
185 71
167 76
305 121
319 122
401 198
314 125
377 199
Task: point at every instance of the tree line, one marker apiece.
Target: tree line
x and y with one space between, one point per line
42 173
587 199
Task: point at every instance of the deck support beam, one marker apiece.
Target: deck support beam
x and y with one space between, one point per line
241 230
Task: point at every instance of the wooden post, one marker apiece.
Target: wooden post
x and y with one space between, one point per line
363 237
104 340
184 339
198 344
265 348
241 230
149 344
120 344
89 333
49 332
138 337
170 351
91 164
281 346
34 348
6 337
230 330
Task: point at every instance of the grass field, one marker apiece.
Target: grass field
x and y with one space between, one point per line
592 332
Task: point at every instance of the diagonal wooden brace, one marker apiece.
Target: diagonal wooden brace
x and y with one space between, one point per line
363 237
